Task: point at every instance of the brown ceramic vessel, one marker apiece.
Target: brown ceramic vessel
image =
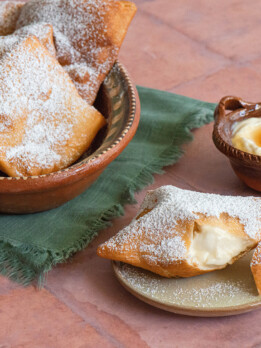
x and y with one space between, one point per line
246 166
119 102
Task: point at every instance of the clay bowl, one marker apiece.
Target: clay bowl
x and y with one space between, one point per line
119 102
246 166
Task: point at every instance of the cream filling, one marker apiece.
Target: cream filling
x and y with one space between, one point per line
246 135
213 247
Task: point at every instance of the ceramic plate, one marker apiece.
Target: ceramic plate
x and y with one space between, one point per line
227 292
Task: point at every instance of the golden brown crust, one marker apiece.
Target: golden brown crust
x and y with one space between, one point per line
9 13
88 36
38 97
131 253
118 20
43 32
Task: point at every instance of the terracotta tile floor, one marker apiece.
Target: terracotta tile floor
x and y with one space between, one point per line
200 48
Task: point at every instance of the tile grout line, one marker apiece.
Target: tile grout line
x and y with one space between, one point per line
179 31
98 328
245 64
197 78
228 62
198 42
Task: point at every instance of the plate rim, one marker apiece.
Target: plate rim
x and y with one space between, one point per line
185 310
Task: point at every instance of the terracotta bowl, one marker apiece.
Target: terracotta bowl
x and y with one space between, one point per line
246 166
119 102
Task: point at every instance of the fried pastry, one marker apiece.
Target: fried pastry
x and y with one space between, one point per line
180 233
88 35
44 124
9 13
43 32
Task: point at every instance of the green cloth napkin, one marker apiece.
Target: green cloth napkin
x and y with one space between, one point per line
30 245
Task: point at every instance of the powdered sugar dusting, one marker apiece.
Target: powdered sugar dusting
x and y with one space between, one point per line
39 108
256 260
80 33
172 204
167 250
207 291
9 13
43 32
158 236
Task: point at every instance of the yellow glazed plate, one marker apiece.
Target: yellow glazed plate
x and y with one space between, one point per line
221 293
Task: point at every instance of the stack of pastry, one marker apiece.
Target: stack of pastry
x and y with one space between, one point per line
54 55
180 233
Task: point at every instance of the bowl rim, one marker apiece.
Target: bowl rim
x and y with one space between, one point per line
234 104
88 165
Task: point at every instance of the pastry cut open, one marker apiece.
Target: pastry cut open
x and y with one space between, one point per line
215 243
181 233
